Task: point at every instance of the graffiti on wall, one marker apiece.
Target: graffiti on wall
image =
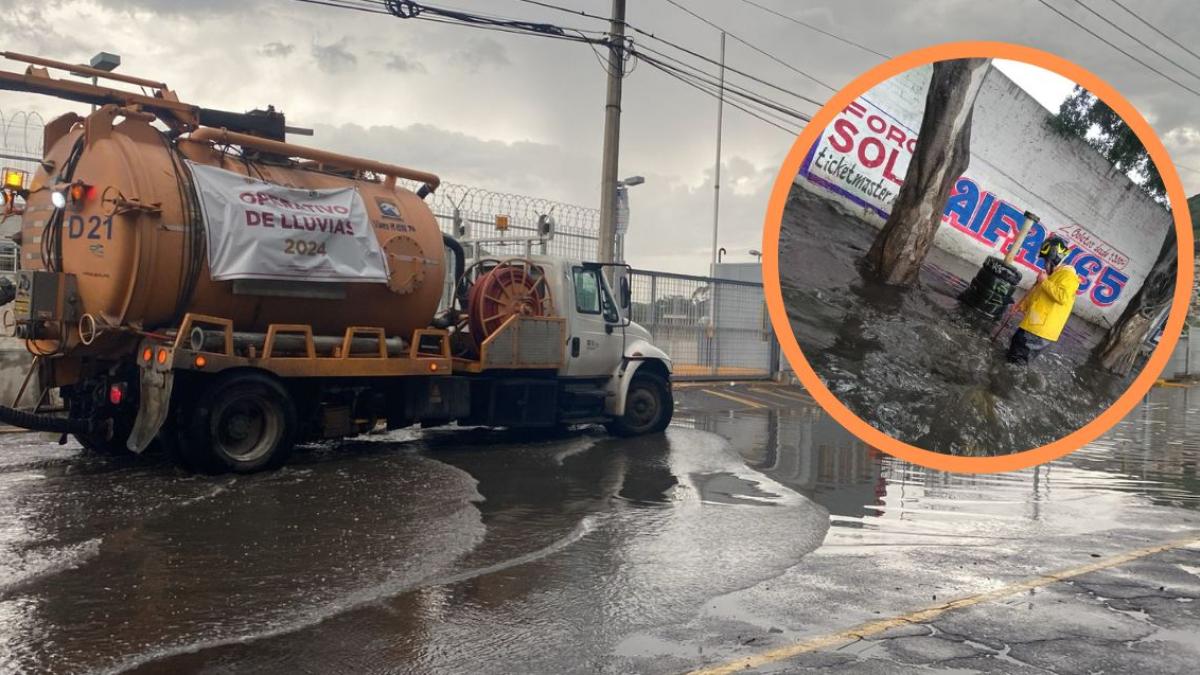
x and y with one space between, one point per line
863 156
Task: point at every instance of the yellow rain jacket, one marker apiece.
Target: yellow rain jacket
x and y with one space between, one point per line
1047 306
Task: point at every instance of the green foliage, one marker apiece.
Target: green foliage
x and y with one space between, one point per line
1084 115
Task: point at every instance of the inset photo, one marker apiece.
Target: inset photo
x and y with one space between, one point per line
977 256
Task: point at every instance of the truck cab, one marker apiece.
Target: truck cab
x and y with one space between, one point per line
609 370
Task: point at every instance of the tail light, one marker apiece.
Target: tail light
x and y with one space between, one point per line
116 393
74 194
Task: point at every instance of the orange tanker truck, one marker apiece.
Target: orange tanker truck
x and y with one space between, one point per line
191 279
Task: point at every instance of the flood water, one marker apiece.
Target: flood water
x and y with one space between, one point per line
912 362
470 551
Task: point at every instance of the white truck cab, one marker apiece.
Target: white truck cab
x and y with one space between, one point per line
611 371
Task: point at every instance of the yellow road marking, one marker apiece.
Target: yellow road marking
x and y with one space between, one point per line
739 399
784 394
929 613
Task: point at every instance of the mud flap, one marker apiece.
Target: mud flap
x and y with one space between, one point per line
154 404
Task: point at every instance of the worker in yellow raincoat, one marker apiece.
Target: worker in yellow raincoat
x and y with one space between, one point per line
1047 305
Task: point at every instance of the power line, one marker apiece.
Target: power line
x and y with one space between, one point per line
1136 39
732 86
338 5
708 80
690 52
684 78
1154 28
764 107
765 53
731 68
809 26
1101 38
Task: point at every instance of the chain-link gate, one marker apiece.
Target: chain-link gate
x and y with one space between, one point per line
20 148
711 328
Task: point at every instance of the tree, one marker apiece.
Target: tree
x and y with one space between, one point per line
1084 115
942 154
1119 349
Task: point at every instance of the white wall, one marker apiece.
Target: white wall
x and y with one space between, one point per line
1018 163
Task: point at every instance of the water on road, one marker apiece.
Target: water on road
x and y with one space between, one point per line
474 551
912 362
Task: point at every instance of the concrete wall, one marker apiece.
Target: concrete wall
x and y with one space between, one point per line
1018 163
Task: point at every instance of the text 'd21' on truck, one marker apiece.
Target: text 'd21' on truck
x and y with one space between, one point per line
191 279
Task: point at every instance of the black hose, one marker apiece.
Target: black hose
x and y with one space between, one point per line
40 422
460 256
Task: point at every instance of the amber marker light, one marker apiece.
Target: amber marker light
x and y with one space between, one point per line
200 361
14 179
433 366
162 356
147 354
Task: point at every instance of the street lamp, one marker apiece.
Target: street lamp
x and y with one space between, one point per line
757 254
106 61
622 214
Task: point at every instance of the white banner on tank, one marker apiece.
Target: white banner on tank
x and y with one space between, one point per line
259 230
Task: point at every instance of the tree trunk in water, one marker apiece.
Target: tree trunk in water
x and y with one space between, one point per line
1118 351
942 154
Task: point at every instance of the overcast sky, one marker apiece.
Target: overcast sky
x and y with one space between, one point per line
525 114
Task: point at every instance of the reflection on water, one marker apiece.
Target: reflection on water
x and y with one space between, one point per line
1147 461
471 551
912 362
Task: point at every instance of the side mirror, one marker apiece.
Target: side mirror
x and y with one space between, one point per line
626 293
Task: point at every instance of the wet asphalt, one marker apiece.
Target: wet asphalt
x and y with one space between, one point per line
754 527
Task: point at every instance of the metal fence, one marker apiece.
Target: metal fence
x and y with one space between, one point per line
20 148
1185 360
711 328
475 213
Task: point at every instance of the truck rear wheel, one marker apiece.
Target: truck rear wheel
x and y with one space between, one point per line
243 422
648 407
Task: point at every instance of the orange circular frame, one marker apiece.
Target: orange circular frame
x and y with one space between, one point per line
791 347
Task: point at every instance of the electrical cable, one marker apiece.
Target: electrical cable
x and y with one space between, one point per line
736 38
1136 39
709 80
707 87
814 28
1101 38
408 9
1154 28
745 92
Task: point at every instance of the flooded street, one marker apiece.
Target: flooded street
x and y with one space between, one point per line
914 363
754 524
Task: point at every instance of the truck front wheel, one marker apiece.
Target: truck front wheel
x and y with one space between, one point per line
243 423
648 406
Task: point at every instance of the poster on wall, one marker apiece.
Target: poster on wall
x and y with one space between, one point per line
863 157
259 230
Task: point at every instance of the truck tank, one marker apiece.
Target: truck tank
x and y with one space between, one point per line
133 236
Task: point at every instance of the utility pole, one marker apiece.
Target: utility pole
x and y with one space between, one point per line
612 131
717 167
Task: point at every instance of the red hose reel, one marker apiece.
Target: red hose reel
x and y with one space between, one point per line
512 287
